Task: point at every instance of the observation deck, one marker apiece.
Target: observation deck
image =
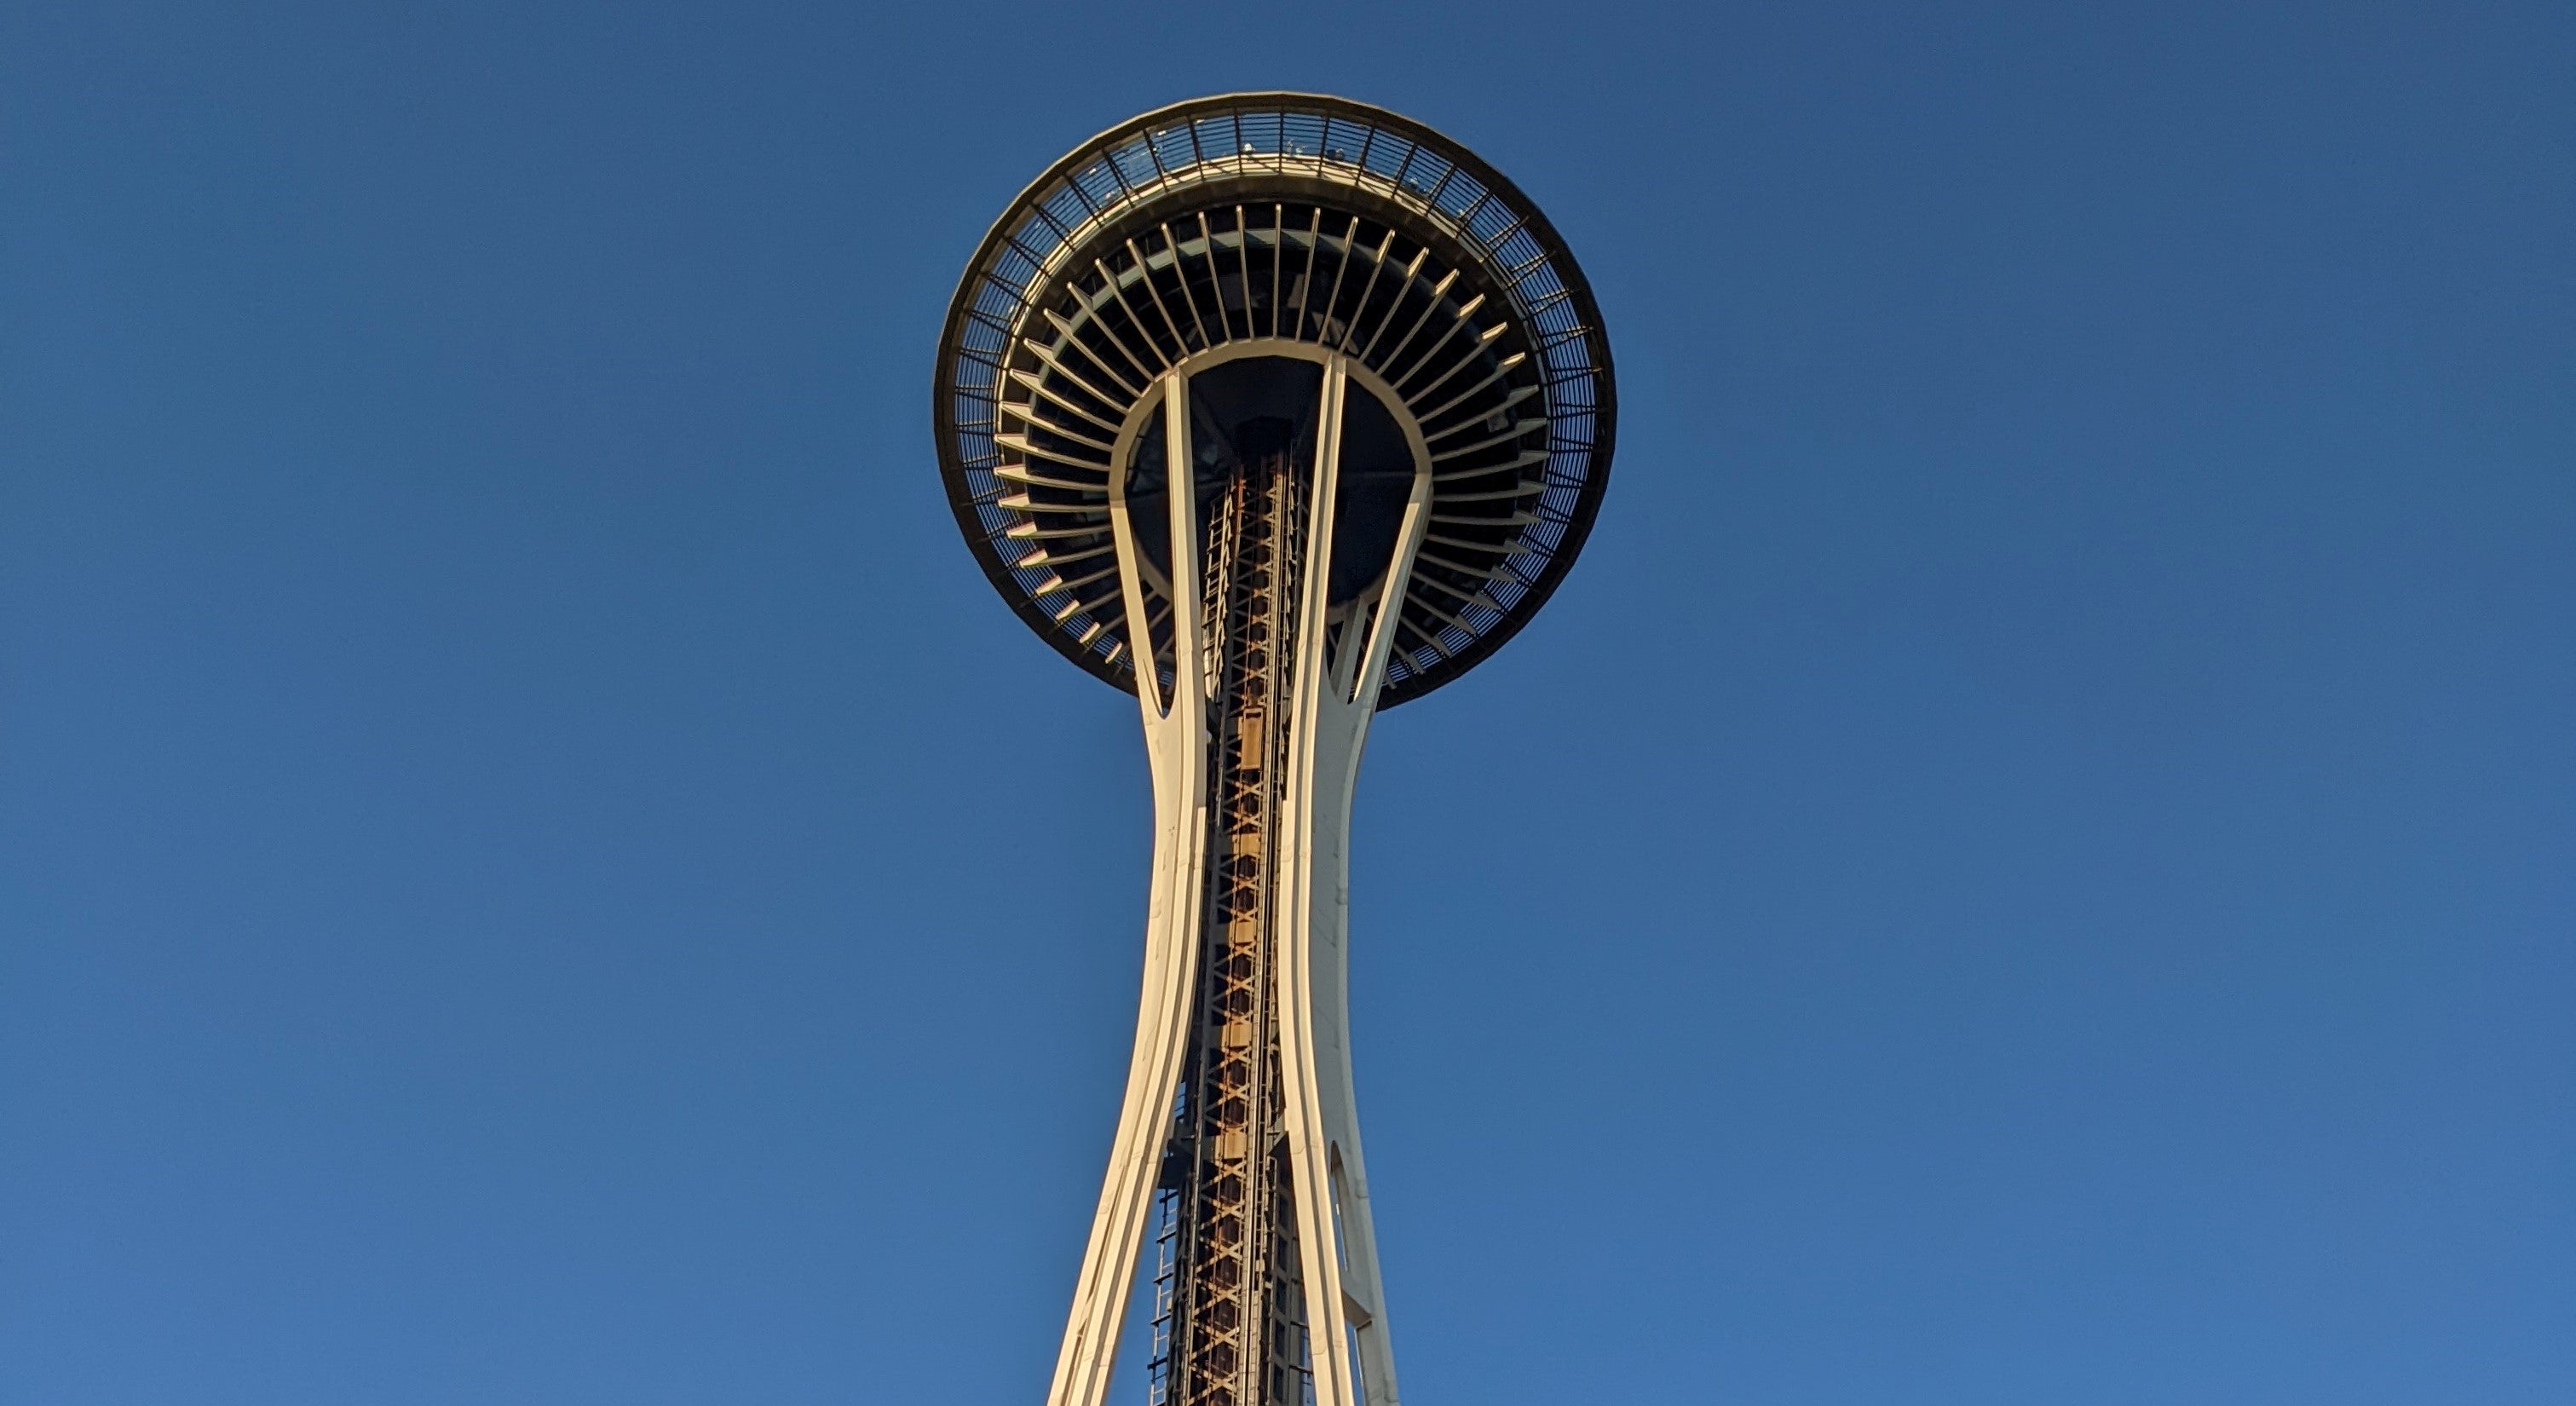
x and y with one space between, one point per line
1292 226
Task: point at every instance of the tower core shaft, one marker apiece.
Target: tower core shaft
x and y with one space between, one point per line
1238 1157
1231 1327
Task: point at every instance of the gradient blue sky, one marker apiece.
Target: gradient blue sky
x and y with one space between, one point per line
2033 861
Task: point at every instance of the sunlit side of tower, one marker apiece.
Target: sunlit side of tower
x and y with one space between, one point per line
1273 410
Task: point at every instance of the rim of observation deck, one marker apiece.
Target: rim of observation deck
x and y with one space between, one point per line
1548 296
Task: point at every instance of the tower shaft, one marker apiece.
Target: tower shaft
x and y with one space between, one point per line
1238 1160
1233 1331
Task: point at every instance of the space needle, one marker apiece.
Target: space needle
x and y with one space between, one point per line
1273 410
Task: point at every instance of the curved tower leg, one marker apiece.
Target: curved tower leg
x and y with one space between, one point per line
1339 676
1176 730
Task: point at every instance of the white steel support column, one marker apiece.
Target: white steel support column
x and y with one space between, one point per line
1176 731
1336 699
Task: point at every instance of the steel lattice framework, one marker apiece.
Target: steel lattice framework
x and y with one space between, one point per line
1274 410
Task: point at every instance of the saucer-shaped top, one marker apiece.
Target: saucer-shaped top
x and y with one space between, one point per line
1277 218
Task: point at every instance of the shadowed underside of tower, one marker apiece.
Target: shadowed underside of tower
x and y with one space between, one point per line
1273 410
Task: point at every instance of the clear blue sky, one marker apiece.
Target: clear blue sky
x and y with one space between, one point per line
2033 861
